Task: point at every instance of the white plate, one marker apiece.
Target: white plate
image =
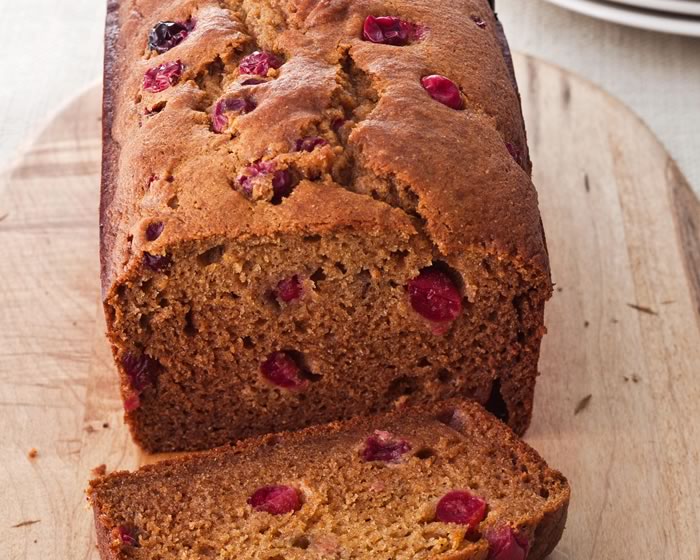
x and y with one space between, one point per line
686 7
654 21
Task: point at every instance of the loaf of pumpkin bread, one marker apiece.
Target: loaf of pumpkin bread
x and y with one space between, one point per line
440 482
314 209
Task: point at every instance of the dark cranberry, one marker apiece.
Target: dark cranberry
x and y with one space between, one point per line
141 370
337 124
157 263
252 82
154 230
434 296
515 153
162 77
388 30
275 500
237 105
444 90
462 508
385 446
504 544
257 169
282 185
309 143
245 184
282 180
289 289
168 34
282 369
127 536
152 179
259 63
479 22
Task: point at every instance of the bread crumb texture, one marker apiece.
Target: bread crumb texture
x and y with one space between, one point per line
313 209
442 482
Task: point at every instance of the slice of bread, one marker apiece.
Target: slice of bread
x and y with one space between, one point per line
447 482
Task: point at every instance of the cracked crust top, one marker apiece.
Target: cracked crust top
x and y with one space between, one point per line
446 173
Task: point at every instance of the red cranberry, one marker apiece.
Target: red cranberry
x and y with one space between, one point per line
168 34
275 500
504 544
282 180
282 370
162 77
257 169
259 63
127 536
434 296
462 508
282 185
289 289
515 152
309 144
246 185
479 22
389 30
132 402
141 370
157 263
154 230
385 446
237 105
444 90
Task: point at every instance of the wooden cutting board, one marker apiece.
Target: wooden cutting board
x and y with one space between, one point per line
617 404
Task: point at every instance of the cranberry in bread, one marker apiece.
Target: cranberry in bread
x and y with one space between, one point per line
313 210
439 482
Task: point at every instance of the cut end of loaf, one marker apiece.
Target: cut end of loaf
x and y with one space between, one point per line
457 484
224 339
298 203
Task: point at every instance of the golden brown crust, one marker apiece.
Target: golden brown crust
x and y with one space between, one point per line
110 149
105 544
471 190
485 436
464 197
550 530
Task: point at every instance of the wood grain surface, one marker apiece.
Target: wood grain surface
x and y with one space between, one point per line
616 405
